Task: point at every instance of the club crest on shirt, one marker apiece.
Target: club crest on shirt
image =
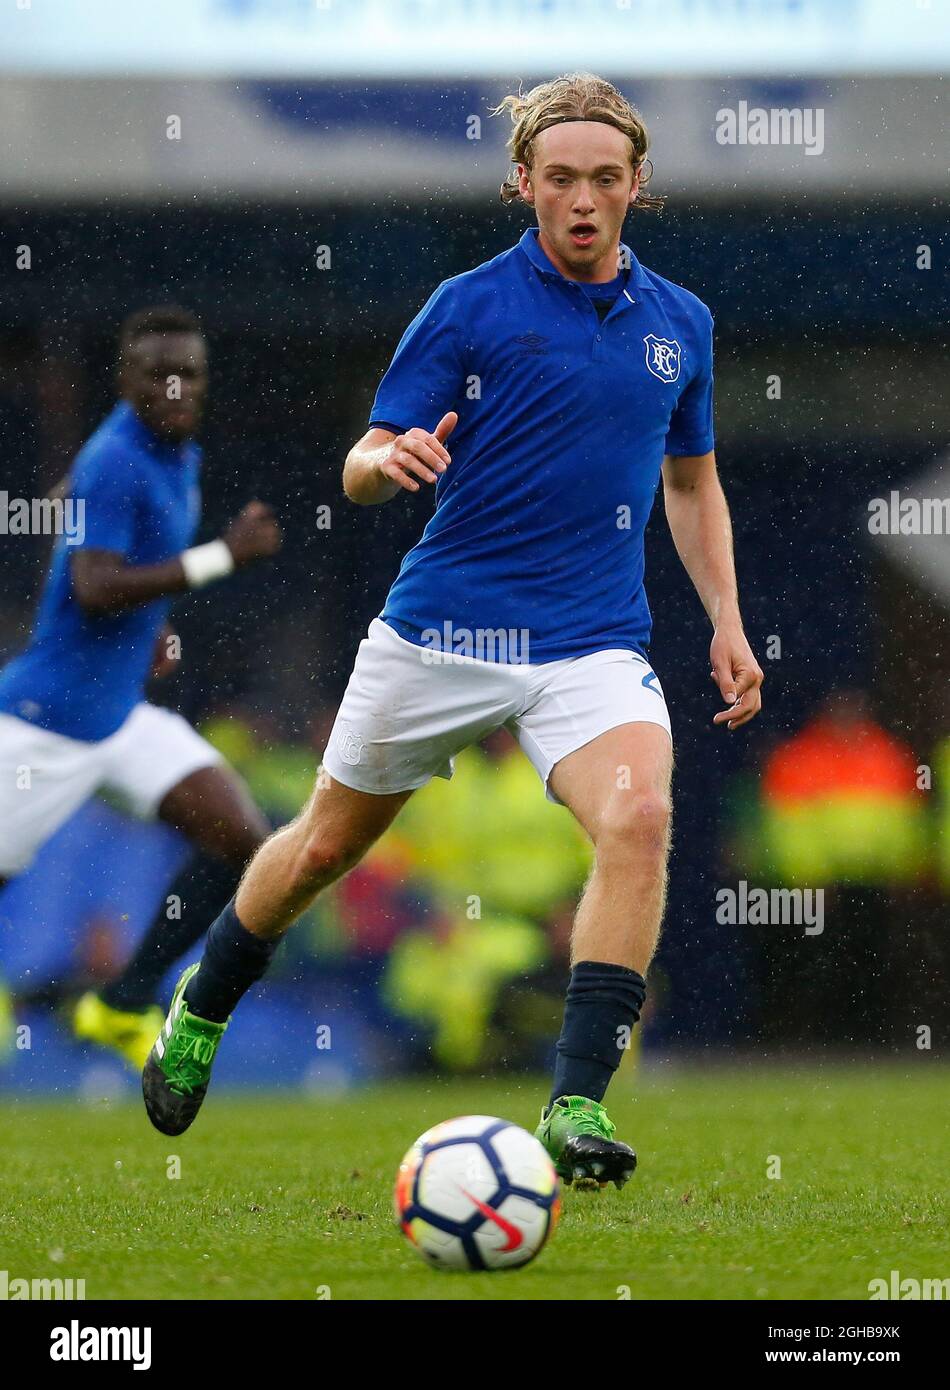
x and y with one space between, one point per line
663 357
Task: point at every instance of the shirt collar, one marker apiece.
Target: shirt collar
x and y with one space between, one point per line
531 247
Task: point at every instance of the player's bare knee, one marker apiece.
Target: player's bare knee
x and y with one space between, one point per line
634 823
323 858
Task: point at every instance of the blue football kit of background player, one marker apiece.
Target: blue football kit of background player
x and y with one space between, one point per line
529 533
82 676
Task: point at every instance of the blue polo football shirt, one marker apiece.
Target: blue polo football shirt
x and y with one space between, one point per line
563 424
79 675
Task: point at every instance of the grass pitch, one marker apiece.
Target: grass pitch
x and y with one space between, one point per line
283 1197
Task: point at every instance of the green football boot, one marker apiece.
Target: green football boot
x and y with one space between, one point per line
578 1134
178 1068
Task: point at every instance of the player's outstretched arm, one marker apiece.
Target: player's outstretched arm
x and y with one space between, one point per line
382 463
104 583
698 517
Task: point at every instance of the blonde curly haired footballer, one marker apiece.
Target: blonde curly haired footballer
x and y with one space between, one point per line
578 96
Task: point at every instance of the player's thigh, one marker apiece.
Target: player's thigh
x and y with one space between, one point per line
213 808
618 780
598 732
44 779
154 751
340 823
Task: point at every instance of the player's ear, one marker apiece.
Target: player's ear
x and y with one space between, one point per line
524 184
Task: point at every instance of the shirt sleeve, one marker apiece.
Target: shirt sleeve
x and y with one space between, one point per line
691 427
107 488
426 376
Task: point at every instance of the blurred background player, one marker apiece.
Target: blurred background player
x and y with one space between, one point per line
596 376
73 717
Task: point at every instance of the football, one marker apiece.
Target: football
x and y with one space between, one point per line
477 1193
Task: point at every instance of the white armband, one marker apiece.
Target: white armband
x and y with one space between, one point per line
205 563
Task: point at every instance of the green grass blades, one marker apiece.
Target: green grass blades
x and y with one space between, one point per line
283 1197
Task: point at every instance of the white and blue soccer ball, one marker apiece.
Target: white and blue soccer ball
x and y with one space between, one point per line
477 1193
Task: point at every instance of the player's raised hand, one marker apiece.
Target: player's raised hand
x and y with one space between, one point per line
418 454
253 534
738 676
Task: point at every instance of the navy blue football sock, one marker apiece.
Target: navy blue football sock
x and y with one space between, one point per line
234 959
201 885
603 1004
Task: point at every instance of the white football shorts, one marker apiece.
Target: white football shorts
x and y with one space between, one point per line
45 777
408 710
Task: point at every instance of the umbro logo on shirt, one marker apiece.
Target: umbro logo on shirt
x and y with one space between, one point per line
533 343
